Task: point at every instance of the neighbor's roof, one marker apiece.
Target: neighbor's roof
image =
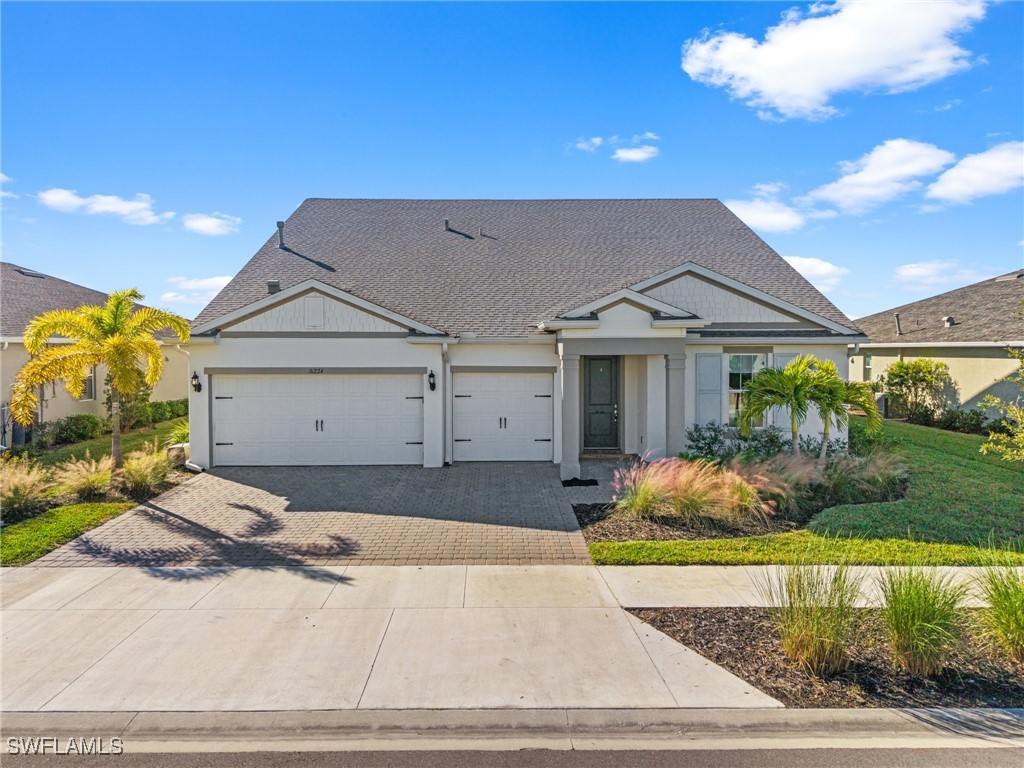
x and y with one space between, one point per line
983 312
508 265
25 293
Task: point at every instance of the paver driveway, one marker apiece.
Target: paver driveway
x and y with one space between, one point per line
487 513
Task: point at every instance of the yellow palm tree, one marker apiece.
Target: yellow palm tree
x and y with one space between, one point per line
119 335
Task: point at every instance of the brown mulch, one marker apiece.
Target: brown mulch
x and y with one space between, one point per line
743 641
599 522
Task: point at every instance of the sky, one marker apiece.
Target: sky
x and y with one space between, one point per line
878 146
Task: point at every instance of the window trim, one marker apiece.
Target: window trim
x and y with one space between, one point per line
728 391
86 397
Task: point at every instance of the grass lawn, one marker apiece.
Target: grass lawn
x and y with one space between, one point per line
25 541
958 499
130 441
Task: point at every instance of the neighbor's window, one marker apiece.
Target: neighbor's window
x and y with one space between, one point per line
741 370
867 366
90 386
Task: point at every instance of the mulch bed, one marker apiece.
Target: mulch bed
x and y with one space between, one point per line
600 523
743 641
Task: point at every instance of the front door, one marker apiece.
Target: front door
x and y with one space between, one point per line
601 403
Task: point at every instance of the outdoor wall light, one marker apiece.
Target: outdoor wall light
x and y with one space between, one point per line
196 384
432 381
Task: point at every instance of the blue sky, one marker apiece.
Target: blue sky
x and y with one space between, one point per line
155 145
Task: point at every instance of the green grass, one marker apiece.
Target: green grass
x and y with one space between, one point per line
23 542
130 441
957 495
959 501
794 548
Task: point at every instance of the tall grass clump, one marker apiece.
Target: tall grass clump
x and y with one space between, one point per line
146 471
922 611
86 477
1002 587
22 485
694 488
814 611
178 434
640 490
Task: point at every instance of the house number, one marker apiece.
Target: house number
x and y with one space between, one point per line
316 370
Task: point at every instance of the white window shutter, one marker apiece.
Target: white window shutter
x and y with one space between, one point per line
709 387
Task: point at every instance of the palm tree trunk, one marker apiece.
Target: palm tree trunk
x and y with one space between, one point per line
824 443
796 432
115 428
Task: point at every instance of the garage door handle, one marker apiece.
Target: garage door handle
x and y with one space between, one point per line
542 439
321 425
542 395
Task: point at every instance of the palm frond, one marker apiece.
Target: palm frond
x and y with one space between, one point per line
58 322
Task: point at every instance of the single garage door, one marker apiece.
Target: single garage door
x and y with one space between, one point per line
502 416
317 419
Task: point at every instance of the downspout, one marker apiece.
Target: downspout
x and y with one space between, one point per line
448 454
188 462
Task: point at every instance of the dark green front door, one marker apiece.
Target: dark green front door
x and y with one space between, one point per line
601 403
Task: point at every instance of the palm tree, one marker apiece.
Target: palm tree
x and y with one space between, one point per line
118 335
831 397
790 387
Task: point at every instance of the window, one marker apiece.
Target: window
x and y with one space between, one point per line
741 370
90 386
867 366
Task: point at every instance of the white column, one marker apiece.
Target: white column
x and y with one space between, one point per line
433 414
656 407
570 466
676 407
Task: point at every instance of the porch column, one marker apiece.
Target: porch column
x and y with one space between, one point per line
656 407
570 464
676 412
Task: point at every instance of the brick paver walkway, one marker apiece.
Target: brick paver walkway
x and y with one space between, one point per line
486 513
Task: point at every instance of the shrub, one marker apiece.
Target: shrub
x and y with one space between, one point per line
178 408
178 434
86 477
146 471
861 443
22 485
1002 587
715 441
814 612
159 411
767 442
922 614
971 422
708 440
134 410
917 388
69 429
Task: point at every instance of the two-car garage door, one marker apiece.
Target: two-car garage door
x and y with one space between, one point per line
317 419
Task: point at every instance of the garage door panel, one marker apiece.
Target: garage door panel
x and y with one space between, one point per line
502 416
318 419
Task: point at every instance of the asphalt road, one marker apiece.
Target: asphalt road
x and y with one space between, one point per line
798 758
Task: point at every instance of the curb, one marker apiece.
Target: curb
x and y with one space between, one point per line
557 729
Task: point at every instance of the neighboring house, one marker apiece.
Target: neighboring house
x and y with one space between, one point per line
24 294
436 331
968 329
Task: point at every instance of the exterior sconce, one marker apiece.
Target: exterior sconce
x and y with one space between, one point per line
432 381
196 384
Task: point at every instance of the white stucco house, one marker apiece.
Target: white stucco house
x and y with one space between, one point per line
436 331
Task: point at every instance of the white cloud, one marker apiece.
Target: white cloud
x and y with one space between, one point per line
212 224
930 275
136 211
4 178
589 145
991 172
635 154
766 212
194 290
823 275
888 171
847 46
645 136
949 105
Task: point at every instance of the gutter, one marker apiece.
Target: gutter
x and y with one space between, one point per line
941 344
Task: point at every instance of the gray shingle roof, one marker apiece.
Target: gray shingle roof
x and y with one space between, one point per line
534 260
983 312
25 293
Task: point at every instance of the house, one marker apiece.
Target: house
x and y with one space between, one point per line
25 294
436 331
968 329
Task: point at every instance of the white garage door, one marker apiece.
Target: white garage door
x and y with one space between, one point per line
317 419
502 416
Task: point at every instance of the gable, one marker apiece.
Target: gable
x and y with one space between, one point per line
314 312
716 303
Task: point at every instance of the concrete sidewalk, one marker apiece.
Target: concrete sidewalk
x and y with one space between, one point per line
329 638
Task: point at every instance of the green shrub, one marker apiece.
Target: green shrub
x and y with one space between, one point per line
88 478
917 388
178 408
134 410
707 440
146 472
179 433
159 411
971 422
22 485
814 612
922 613
69 429
1002 587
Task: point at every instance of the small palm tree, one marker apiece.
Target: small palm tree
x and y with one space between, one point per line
831 397
790 387
119 335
